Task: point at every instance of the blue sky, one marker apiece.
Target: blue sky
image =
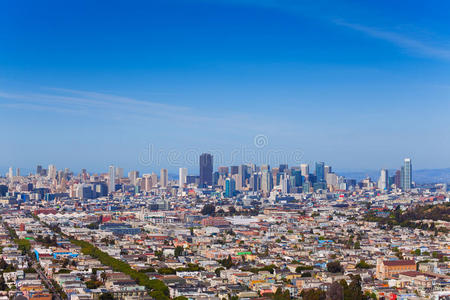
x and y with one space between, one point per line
358 84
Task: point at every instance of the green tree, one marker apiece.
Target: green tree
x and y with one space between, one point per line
313 294
227 262
363 265
106 296
208 209
335 291
302 268
217 271
91 284
335 267
280 295
178 251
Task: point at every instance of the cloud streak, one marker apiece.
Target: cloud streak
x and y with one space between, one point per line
93 103
105 106
312 10
411 45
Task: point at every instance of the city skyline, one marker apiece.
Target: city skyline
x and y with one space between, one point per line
206 173
356 86
262 180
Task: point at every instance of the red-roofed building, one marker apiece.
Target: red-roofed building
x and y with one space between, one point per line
386 269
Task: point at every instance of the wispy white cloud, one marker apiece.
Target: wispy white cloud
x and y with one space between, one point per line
407 43
314 10
112 107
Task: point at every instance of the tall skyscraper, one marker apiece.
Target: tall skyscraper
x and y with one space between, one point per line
51 172
223 171
10 173
297 175
182 176
327 170
305 170
38 170
119 173
234 170
285 183
230 187
255 182
383 181
147 182
407 174
397 179
242 176
402 177
164 179
266 181
111 179
206 169
320 171
154 179
133 175
283 168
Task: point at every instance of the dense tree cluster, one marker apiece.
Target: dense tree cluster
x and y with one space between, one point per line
208 209
411 218
157 289
363 265
335 267
47 240
226 262
338 291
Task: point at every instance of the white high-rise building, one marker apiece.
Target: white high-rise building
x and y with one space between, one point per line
304 169
266 182
112 179
182 175
284 182
407 174
119 173
326 171
133 175
164 179
10 173
332 179
154 179
383 181
51 172
147 178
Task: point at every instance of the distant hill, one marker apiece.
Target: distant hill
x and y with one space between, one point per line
419 176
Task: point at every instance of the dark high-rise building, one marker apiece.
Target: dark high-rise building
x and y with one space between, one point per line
100 189
297 175
283 168
320 171
192 179
223 171
234 170
216 176
255 182
3 190
397 178
206 169
38 170
402 177
242 171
